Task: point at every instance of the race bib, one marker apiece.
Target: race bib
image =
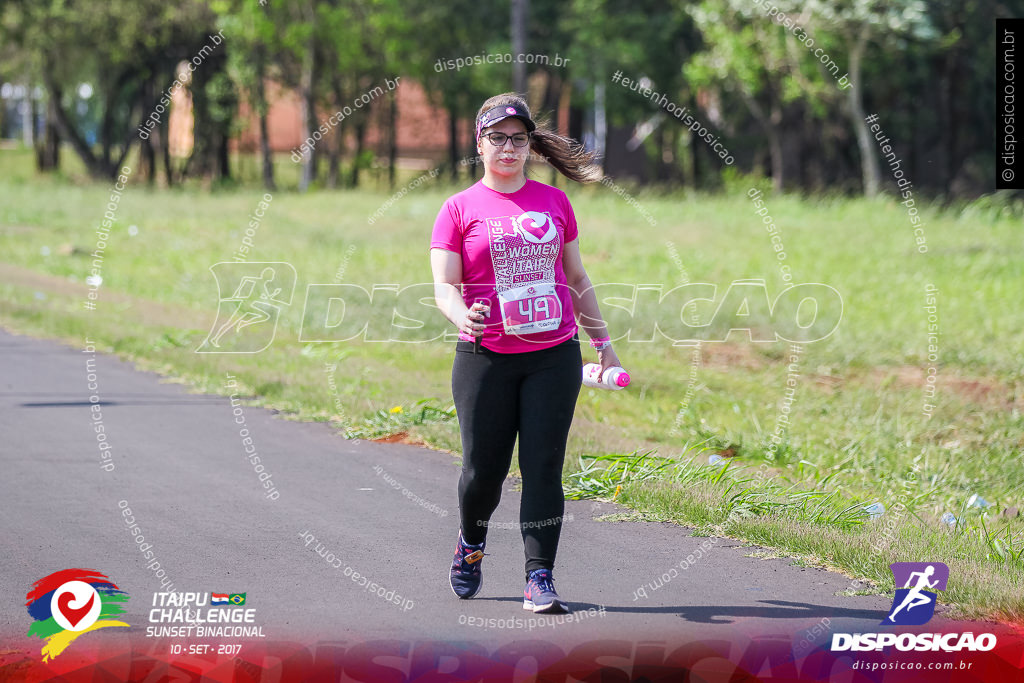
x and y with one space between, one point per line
530 309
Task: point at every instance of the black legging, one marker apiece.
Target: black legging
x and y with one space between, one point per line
497 395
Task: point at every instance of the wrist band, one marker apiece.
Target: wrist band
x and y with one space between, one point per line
601 342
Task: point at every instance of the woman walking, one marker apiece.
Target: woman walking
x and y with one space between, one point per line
509 243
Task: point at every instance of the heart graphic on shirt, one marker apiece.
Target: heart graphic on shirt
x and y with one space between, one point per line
538 220
72 614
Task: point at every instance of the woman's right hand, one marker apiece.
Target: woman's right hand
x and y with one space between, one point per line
472 323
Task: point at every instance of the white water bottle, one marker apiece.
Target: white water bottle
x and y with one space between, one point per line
614 378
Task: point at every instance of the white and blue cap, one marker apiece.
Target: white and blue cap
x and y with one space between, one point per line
500 113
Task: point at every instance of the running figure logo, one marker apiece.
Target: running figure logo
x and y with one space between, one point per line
247 319
914 603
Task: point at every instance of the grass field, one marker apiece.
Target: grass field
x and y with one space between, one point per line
858 431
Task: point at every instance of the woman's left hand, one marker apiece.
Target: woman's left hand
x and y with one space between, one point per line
607 359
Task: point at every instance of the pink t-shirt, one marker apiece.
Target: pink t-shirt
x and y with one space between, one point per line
511 248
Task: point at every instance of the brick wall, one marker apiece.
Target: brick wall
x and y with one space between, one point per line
422 128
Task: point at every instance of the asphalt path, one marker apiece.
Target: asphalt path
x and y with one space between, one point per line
384 511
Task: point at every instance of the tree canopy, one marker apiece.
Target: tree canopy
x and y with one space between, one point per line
785 85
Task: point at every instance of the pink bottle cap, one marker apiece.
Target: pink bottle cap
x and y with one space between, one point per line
623 379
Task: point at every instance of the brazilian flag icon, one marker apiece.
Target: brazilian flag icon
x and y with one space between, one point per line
237 598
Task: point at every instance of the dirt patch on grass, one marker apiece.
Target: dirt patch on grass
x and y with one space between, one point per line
724 355
397 437
982 390
986 391
148 312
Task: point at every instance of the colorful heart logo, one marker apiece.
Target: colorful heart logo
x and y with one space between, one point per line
70 613
69 603
75 605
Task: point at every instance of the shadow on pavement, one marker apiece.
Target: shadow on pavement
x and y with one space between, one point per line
720 614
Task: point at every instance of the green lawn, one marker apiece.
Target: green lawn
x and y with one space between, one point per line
856 422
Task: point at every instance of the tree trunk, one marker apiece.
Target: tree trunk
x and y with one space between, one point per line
200 161
660 171
148 158
676 168
266 154
147 154
470 153
552 101
453 142
48 152
695 146
28 118
520 18
262 110
223 155
955 100
392 137
334 160
94 166
164 144
337 146
600 121
309 121
107 124
770 125
775 143
360 146
868 158
807 131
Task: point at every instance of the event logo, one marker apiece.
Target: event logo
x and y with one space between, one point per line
247 319
69 603
913 604
537 221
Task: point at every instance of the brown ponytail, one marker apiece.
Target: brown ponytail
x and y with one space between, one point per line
566 155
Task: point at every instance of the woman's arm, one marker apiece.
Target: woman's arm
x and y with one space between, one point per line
584 302
447 268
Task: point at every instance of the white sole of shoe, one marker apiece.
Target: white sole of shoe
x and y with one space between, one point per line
554 607
467 597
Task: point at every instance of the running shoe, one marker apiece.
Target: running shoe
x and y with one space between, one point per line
465 575
540 596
